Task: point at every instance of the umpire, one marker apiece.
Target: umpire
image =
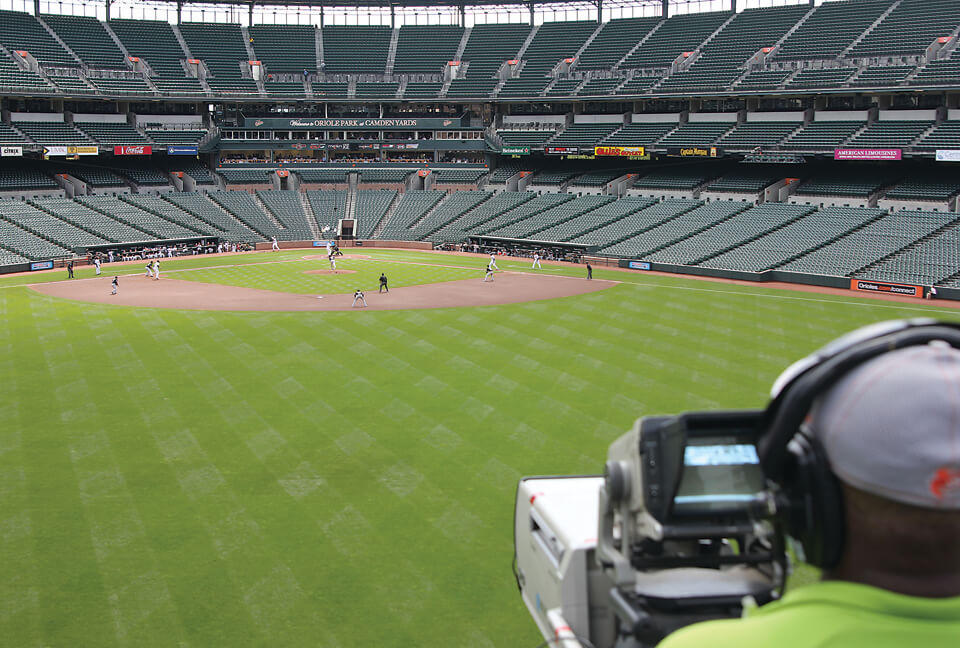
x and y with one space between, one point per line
383 283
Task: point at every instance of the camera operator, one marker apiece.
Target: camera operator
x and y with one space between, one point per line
890 433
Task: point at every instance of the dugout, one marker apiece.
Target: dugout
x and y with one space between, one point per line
184 246
548 250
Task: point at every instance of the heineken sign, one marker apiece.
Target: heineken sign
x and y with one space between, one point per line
324 123
515 150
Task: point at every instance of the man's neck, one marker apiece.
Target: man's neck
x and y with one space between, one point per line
910 581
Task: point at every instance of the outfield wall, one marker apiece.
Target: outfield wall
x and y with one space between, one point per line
764 277
321 244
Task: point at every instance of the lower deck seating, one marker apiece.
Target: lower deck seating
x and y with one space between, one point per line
207 211
48 226
412 207
285 206
371 207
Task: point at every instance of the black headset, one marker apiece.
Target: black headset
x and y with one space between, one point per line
794 460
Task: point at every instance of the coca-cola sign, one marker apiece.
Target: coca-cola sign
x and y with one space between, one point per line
138 149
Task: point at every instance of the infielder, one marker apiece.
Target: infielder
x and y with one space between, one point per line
333 261
536 261
358 296
156 269
149 272
493 262
116 284
489 275
96 262
276 246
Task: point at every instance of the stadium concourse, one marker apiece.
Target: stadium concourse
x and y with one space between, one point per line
808 143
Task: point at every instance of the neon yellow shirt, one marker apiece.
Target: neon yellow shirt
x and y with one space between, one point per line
833 614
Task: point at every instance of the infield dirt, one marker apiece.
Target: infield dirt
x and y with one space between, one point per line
508 288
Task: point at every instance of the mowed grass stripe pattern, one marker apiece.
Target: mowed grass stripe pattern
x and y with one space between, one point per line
336 479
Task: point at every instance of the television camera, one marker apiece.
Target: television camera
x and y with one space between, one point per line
680 528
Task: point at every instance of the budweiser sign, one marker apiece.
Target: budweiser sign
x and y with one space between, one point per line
138 149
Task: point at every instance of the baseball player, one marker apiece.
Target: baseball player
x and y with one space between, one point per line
329 248
383 283
69 269
333 261
116 284
149 272
493 262
156 269
536 261
358 296
276 246
489 275
589 271
96 262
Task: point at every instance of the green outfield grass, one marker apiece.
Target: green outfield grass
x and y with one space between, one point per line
337 479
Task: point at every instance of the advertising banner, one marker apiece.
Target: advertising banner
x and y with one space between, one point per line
694 151
138 149
323 244
11 151
182 150
400 146
948 155
639 265
515 150
562 150
299 123
620 151
83 150
884 287
41 265
867 154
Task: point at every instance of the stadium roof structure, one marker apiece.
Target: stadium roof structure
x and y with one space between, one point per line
441 3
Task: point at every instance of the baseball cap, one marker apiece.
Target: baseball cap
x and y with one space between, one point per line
891 426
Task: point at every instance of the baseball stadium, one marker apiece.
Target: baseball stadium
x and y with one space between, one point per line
294 292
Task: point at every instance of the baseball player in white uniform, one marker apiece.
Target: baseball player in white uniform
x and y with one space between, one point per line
493 262
489 275
96 262
536 261
156 269
333 261
276 246
358 296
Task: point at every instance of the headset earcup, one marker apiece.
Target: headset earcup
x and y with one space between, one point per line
816 518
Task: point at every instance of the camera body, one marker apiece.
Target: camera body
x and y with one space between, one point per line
680 528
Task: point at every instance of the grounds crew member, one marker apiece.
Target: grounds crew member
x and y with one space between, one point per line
890 432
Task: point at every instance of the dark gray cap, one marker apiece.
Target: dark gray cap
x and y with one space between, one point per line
891 426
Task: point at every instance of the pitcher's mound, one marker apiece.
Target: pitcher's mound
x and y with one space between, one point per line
329 272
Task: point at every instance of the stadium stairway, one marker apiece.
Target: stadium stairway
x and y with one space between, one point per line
311 216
